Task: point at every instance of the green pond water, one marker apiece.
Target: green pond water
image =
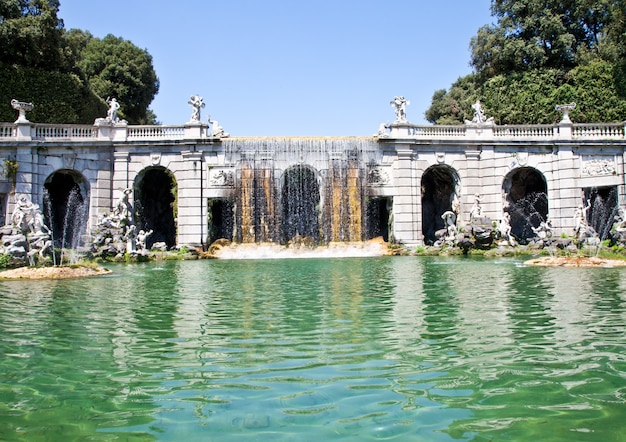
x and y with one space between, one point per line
354 349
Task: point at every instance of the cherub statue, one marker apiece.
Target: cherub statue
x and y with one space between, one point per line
197 102
400 104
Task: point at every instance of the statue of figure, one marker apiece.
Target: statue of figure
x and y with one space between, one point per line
400 104
479 115
390 222
505 228
112 112
123 209
197 102
620 220
544 229
580 218
22 214
449 218
131 238
477 210
382 131
217 130
142 236
36 224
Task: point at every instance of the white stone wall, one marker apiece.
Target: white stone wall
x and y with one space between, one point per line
203 168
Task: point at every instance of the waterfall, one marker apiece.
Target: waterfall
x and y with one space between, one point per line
290 188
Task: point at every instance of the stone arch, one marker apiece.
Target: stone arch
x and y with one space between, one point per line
66 207
300 203
440 190
525 194
156 204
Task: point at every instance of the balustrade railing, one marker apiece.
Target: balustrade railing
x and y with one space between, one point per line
50 132
7 130
600 130
524 131
155 132
439 131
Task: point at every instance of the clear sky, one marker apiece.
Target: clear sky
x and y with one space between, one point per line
293 67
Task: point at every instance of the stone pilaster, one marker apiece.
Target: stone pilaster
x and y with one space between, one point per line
406 225
192 228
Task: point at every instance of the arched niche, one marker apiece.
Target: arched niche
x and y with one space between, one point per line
156 197
66 207
440 193
525 194
300 202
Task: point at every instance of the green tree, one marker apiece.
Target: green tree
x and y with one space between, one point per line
532 34
31 34
454 106
114 67
541 53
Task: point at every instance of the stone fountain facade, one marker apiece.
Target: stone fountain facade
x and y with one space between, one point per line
411 184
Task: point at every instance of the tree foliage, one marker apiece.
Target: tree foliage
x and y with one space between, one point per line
34 41
116 68
541 53
31 34
59 97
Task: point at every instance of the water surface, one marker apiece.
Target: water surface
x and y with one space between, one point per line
389 348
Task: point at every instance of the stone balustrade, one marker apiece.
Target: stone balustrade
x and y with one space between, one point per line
72 132
602 130
525 131
7 130
155 132
20 131
52 132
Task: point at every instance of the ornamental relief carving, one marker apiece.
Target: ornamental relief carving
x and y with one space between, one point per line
221 178
376 176
594 166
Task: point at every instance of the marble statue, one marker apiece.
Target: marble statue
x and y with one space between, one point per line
217 130
197 103
23 212
476 210
580 218
504 228
382 131
480 118
142 236
544 229
33 238
400 103
114 106
449 218
123 210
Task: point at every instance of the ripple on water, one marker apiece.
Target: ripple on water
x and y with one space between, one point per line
352 349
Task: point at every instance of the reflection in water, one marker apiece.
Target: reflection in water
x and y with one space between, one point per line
397 348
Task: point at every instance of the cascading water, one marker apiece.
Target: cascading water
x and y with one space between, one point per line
527 214
602 211
67 220
301 189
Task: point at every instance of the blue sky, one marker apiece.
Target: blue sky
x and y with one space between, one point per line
293 68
